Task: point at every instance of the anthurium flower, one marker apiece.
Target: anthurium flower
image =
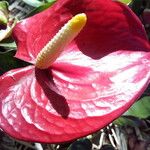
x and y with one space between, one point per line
94 78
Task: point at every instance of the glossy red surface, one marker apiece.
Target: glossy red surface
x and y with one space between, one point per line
97 77
110 27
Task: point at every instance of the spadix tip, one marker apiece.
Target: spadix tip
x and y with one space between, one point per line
63 37
78 21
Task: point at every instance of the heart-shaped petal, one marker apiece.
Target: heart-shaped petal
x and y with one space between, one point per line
111 26
75 97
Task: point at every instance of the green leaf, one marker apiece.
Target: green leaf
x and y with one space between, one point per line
4 5
8 61
126 1
128 121
50 1
11 45
140 109
122 121
4 12
41 8
33 3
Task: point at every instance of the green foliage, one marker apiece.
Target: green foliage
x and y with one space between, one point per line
140 109
128 121
41 8
125 1
34 3
8 61
9 45
4 12
133 116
